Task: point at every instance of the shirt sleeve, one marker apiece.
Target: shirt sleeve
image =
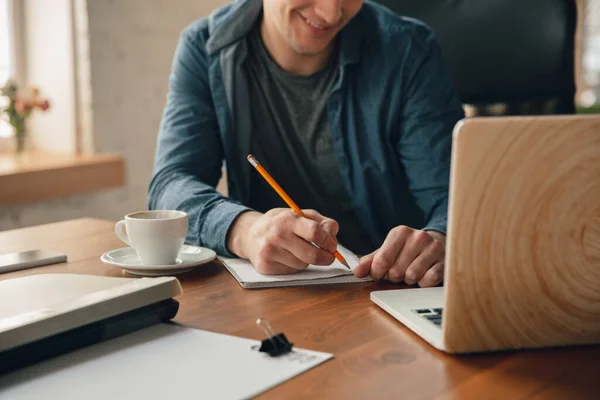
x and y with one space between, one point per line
189 153
431 110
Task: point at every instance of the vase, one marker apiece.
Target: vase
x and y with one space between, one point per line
20 137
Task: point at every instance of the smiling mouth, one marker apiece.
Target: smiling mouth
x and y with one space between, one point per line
315 25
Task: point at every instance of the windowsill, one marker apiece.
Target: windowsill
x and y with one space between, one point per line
37 176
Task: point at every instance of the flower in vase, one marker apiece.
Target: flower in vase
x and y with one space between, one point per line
21 104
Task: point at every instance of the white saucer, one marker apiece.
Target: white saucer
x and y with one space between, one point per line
189 257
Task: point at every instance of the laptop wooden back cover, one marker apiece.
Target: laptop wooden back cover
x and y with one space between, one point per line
523 251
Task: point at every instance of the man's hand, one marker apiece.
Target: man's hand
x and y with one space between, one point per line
408 255
278 242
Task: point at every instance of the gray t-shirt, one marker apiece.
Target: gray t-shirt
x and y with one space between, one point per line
292 140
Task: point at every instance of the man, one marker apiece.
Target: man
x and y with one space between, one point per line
350 108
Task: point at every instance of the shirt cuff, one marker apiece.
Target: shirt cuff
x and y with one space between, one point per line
436 226
216 227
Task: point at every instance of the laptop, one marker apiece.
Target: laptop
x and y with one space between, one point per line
522 266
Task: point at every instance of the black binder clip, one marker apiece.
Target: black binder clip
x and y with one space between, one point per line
275 344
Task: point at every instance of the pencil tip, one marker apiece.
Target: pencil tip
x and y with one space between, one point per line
346 264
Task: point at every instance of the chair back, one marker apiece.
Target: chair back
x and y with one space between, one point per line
507 57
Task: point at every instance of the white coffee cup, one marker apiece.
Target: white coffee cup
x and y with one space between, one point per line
157 236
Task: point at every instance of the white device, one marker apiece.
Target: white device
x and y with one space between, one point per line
28 259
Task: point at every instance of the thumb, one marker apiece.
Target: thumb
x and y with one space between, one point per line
329 225
363 268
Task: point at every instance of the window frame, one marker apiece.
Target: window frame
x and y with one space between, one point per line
16 40
17 54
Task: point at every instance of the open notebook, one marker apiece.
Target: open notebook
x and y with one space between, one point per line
249 278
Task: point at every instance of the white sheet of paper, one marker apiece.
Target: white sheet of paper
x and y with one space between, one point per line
160 362
247 275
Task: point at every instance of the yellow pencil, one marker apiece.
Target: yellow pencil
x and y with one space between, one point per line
286 198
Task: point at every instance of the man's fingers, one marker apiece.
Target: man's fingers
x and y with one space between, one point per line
309 253
388 253
404 268
431 255
364 265
329 225
288 259
417 269
312 231
279 242
434 276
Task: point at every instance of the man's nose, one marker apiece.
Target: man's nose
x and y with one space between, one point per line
330 11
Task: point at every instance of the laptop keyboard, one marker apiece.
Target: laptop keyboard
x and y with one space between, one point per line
434 315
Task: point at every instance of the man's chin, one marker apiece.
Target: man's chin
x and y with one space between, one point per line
310 51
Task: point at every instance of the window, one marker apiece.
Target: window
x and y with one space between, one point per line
5 57
41 53
6 61
591 55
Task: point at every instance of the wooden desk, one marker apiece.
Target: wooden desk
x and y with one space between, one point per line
375 356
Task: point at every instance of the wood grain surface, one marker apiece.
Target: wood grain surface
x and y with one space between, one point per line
524 233
375 356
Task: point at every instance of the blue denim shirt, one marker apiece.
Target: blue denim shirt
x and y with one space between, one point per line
391 114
